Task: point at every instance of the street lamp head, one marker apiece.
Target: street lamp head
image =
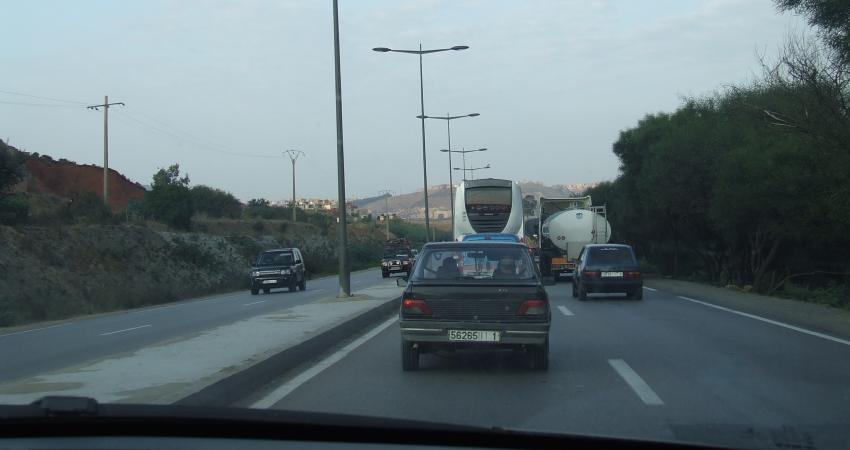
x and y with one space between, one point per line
381 49
423 117
460 47
458 168
444 150
473 115
487 166
481 150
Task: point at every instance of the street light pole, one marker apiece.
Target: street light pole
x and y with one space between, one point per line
344 274
448 120
293 156
386 193
421 52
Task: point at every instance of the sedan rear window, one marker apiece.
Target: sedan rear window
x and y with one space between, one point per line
610 255
498 263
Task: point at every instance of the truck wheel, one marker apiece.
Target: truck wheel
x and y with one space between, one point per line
582 292
409 357
540 356
254 291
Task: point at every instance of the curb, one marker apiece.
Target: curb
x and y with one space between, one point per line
230 390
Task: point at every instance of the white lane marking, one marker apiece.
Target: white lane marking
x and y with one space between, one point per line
646 394
772 322
650 289
35 329
125 330
254 303
565 311
282 391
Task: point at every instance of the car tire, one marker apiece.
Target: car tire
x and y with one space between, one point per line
575 290
255 291
582 292
293 286
540 357
267 290
638 293
385 275
409 357
303 285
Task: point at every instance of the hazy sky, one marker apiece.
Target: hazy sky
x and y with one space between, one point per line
205 81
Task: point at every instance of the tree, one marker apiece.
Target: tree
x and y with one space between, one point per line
170 200
215 202
14 208
830 17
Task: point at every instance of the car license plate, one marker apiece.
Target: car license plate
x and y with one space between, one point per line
269 281
474 335
395 268
612 274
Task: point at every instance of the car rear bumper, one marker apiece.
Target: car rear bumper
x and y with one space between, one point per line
437 333
612 286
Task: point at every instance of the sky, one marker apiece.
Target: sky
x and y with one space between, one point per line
223 88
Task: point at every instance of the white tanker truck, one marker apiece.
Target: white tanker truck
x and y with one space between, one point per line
563 226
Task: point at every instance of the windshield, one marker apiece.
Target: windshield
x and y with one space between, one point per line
276 258
164 162
477 263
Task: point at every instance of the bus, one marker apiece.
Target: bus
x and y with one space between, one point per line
488 205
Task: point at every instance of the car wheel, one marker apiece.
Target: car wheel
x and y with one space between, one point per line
638 294
293 285
255 291
582 292
267 290
540 357
385 275
409 356
575 291
303 285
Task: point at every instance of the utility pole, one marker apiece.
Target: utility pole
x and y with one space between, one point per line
386 193
344 273
293 156
105 107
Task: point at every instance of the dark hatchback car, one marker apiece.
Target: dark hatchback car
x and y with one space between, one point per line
608 268
279 268
474 295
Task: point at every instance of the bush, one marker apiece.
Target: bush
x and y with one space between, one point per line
215 202
14 209
258 226
88 207
170 200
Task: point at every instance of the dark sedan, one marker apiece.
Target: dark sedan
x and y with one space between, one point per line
474 295
608 268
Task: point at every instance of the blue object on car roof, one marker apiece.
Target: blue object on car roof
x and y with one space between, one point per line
500 237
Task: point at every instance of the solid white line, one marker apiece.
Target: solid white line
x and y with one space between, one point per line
281 392
565 311
127 329
650 289
636 382
34 329
254 303
772 322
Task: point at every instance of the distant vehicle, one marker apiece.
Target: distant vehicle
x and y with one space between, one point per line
562 227
608 268
398 257
278 268
474 295
495 237
488 205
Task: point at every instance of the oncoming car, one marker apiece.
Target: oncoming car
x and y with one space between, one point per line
280 268
474 295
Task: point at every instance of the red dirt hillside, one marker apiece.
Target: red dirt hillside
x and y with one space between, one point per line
68 179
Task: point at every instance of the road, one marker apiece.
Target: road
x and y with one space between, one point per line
41 349
661 368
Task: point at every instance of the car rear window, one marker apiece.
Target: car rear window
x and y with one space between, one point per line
476 264
610 255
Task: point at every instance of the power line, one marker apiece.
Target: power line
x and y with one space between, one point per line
46 105
54 99
186 137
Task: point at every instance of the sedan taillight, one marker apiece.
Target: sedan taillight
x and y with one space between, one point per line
633 274
532 307
415 306
590 274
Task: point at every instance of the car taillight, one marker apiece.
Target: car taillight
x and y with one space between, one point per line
415 306
590 274
631 274
532 307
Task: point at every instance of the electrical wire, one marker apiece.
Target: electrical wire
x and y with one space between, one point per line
21 94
